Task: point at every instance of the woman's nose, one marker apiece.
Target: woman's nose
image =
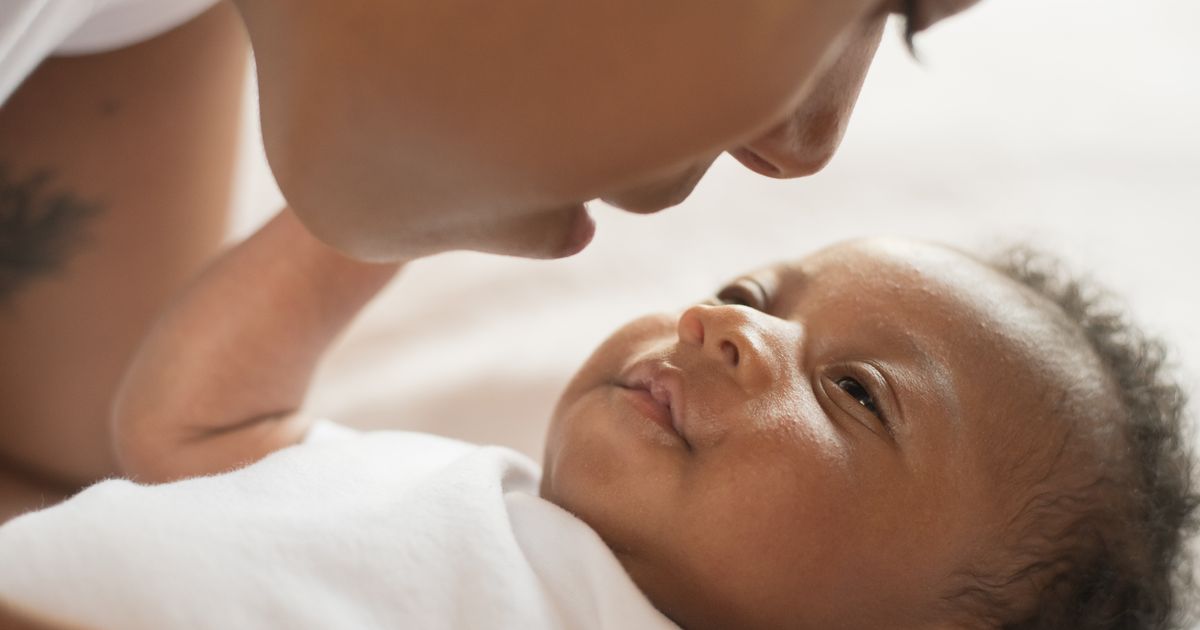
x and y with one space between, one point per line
806 140
729 335
798 147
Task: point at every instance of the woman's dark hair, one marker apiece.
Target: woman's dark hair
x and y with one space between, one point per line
1108 551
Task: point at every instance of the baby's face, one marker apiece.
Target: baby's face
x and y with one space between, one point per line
815 447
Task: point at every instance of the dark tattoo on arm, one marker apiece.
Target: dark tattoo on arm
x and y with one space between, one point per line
41 226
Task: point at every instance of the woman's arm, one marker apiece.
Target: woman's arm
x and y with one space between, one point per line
218 382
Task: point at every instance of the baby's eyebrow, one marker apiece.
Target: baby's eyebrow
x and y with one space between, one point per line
916 357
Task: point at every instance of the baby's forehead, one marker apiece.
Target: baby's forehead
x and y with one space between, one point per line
890 258
914 275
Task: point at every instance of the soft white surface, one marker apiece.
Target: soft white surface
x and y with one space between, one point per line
379 530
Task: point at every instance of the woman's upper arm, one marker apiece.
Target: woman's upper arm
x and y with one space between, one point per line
115 181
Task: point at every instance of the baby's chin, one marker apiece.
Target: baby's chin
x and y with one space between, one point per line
657 578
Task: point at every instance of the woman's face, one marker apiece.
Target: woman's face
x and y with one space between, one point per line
402 129
813 448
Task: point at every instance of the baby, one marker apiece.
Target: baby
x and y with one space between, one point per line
885 434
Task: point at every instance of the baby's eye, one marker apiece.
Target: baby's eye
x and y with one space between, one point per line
859 393
744 292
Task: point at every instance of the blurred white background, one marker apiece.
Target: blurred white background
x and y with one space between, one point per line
1068 123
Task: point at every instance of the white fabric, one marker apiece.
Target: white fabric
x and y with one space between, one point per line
350 530
31 30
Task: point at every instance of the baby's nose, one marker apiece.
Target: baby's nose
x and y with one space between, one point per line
730 335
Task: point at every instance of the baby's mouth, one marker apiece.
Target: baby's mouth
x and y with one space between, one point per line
656 389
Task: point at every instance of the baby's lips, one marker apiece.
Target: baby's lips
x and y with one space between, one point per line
665 384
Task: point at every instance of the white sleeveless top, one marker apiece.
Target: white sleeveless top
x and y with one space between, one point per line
31 30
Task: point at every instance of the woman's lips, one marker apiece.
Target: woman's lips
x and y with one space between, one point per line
656 390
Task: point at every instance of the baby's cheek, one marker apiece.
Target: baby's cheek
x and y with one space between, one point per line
765 503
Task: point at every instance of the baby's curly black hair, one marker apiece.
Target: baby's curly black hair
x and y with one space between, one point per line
1104 548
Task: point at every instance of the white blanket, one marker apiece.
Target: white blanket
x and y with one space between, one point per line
368 530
